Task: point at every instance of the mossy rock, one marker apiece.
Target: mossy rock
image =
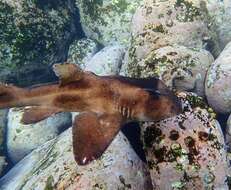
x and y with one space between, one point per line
34 33
187 151
107 21
81 51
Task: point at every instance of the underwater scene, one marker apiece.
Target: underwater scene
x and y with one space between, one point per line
115 94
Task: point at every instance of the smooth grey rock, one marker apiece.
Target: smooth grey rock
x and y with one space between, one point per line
108 61
22 139
218 80
52 166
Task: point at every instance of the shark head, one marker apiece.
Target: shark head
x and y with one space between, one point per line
163 103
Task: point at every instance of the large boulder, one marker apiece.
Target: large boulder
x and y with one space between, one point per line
52 166
218 80
108 61
22 139
187 151
107 21
162 23
178 67
33 35
220 14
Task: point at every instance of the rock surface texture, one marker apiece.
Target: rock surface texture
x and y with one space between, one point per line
108 61
81 51
34 35
22 139
107 21
52 166
178 67
186 151
218 80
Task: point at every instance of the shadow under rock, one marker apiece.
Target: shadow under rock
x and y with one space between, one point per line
132 132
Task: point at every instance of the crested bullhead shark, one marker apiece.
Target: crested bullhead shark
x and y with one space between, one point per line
105 103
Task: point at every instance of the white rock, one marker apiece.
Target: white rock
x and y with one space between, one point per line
186 152
218 80
106 62
107 21
22 139
228 133
52 166
177 66
81 51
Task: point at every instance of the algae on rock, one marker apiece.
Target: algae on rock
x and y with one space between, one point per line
107 21
34 33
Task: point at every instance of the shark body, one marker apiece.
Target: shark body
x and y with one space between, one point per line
105 103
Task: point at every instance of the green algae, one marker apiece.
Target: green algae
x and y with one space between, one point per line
31 34
189 12
49 183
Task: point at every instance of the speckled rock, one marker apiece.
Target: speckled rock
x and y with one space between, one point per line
35 34
218 80
220 13
3 115
81 51
108 61
179 67
228 134
186 151
162 23
52 166
107 21
22 139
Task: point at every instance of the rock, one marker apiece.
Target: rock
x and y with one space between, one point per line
107 21
179 67
3 163
162 23
22 139
106 62
220 12
228 134
218 80
186 151
52 166
81 51
35 34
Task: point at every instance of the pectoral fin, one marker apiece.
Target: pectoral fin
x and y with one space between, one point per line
92 134
36 114
68 72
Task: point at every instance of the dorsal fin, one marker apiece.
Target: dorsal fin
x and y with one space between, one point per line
67 72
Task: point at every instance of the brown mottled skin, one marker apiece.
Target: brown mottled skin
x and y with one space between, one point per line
100 98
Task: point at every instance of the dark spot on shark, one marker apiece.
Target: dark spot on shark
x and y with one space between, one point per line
69 101
6 97
82 84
